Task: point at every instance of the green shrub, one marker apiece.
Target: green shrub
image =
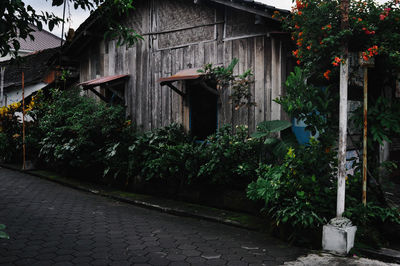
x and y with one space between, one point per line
165 155
228 158
168 154
75 130
301 191
10 133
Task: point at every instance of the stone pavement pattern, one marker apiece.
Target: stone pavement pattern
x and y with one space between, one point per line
50 224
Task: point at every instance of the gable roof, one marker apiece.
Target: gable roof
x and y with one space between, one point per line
35 66
250 6
43 40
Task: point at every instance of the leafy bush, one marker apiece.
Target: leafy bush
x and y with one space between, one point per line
301 191
316 106
10 133
229 158
75 129
169 156
167 153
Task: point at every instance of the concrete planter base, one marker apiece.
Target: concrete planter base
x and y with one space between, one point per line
338 236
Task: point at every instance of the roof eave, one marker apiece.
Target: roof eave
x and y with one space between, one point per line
267 12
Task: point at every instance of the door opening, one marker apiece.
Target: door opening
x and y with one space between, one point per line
203 111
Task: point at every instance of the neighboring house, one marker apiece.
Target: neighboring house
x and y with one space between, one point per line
157 79
38 73
43 40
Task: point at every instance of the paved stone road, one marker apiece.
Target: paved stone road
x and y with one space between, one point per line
50 224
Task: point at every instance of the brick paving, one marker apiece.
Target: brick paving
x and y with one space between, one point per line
50 224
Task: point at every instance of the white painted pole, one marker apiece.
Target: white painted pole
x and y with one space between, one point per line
344 77
341 188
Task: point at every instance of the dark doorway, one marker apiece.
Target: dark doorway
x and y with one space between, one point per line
203 111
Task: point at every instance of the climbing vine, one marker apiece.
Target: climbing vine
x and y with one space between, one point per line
223 78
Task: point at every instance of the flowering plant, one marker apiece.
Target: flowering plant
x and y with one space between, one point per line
316 29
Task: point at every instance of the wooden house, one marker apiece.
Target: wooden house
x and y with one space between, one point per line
157 78
39 73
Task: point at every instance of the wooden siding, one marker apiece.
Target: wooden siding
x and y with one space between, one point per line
177 35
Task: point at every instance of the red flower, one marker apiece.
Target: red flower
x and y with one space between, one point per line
298 62
382 16
326 74
336 61
299 5
329 26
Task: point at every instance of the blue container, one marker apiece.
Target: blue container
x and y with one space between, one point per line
302 135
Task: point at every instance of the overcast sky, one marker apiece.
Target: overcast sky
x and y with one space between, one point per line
76 17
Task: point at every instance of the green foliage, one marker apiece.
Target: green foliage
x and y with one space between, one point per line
372 214
383 119
2 233
166 153
301 191
265 128
17 16
229 158
169 156
75 129
277 147
223 78
317 107
10 133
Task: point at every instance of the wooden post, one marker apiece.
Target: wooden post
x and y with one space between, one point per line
364 186
23 126
2 102
365 64
344 77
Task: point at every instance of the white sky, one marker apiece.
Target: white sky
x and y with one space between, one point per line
76 17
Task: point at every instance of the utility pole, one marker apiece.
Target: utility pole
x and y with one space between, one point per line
344 77
338 235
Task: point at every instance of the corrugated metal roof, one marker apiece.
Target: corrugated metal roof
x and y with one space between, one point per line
191 73
102 80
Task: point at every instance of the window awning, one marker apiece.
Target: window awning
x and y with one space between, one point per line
186 74
104 81
109 82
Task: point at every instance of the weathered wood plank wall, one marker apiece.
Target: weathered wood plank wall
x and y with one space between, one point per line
179 34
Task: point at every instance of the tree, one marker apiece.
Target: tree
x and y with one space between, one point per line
371 29
17 16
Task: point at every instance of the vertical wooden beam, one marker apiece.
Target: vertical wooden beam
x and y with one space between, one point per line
259 74
276 59
364 187
23 124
